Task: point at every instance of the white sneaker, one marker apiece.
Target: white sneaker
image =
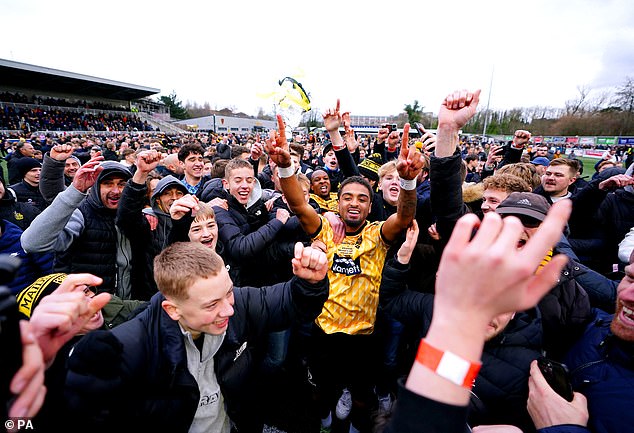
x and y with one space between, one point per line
344 405
326 422
385 404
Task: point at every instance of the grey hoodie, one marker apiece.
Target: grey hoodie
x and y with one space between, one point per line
162 231
60 224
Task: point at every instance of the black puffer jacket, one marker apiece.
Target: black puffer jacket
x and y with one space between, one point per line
137 373
99 245
565 311
29 194
249 239
95 250
501 389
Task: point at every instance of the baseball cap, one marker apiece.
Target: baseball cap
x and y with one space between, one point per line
541 160
525 204
327 148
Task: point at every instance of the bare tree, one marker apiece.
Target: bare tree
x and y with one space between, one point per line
576 106
624 97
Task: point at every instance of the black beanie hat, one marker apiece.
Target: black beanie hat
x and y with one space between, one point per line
23 165
30 296
369 167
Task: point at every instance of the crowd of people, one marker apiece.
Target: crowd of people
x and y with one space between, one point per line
57 119
21 98
336 282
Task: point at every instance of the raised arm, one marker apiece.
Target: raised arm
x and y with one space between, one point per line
409 165
446 183
52 174
467 298
130 219
333 119
59 223
277 147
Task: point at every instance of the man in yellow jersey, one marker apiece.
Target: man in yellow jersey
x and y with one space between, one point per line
346 349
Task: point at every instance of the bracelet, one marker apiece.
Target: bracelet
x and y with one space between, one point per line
338 148
448 365
283 172
408 184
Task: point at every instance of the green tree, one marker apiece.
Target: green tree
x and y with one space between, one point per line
177 111
414 112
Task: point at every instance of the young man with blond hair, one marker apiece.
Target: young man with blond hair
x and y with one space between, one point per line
186 363
559 176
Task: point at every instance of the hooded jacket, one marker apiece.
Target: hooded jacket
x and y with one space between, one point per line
82 233
20 214
145 243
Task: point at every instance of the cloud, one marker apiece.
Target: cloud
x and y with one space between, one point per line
376 57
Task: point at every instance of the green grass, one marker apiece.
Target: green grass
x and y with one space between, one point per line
588 166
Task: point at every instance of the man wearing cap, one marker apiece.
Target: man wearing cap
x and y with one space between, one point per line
513 340
540 163
79 226
147 240
28 190
566 308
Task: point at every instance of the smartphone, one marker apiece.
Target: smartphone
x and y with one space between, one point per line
420 128
390 126
557 376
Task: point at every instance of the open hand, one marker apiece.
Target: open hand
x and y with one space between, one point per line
62 314
87 174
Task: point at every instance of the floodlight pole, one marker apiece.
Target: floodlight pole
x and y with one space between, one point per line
486 113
